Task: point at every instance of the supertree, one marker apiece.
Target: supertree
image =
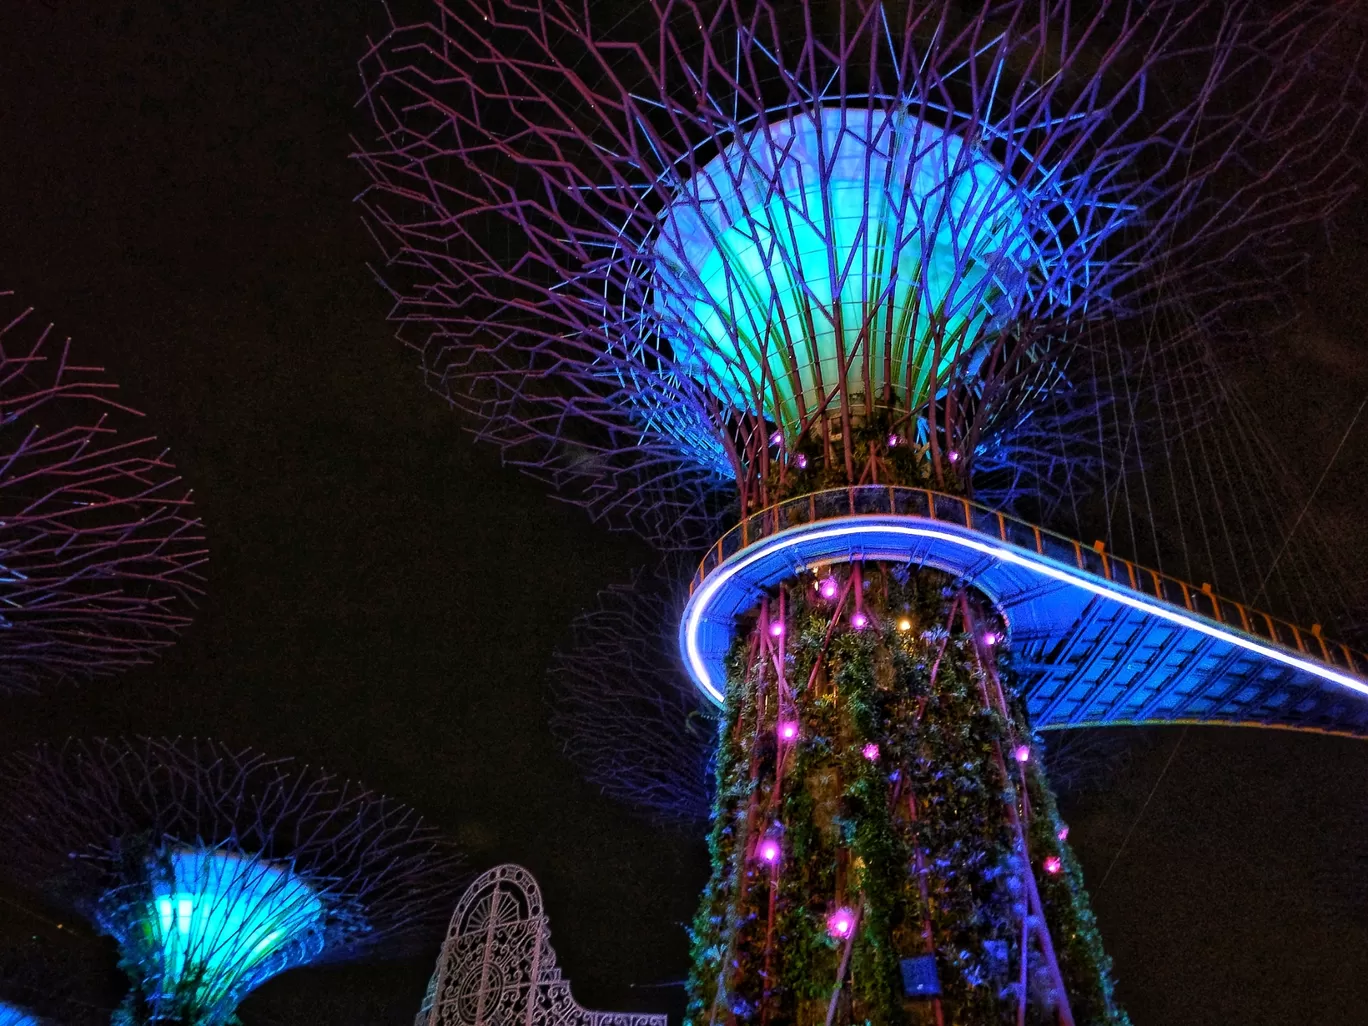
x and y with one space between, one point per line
101 554
847 275
214 869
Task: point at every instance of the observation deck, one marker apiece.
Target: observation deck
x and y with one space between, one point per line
1097 640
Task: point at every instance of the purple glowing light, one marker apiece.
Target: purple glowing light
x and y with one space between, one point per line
1053 865
840 923
769 850
858 621
788 730
953 457
870 752
777 628
1063 832
777 438
893 441
801 461
1022 753
991 638
827 589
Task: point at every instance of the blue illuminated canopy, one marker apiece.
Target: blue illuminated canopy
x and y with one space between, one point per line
842 242
12 1015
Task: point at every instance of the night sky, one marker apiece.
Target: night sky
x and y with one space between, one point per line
383 598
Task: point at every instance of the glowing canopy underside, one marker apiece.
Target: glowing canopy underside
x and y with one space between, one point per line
12 1015
862 243
1096 640
219 924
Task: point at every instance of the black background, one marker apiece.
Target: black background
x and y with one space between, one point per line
175 192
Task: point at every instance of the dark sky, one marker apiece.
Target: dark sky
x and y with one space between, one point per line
175 193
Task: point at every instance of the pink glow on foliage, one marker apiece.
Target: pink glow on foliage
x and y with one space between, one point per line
827 589
1063 833
801 461
840 923
954 456
1053 865
870 752
777 628
990 639
893 440
769 850
1022 753
788 730
858 621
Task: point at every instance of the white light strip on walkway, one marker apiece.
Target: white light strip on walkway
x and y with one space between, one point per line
698 607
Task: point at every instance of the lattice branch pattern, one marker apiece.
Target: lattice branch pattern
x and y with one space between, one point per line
101 555
85 821
497 967
553 190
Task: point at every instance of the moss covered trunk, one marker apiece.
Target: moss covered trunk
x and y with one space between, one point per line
885 847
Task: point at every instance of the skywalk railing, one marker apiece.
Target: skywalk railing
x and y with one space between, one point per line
873 500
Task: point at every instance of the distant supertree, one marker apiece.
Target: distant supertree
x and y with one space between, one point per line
216 869
831 272
101 555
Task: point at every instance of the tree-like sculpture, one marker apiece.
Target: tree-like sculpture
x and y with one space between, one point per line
214 869
100 551
837 270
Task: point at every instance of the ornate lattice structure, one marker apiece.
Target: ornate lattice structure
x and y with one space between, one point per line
497 967
100 551
214 869
833 272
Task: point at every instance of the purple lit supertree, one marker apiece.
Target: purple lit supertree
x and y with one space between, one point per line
214 869
101 555
845 280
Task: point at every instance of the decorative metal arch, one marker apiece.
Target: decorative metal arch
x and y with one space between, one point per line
497 967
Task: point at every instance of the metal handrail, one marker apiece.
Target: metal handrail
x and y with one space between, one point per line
858 500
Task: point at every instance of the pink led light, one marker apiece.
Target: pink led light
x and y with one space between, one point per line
801 460
840 923
893 440
1063 833
827 589
777 438
1053 865
788 730
1022 753
953 457
858 621
990 639
777 628
769 850
870 752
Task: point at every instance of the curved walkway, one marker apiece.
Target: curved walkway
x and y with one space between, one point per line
1096 639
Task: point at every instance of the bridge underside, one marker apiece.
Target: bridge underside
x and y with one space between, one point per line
1090 650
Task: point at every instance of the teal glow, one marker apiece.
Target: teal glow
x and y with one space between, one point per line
218 924
841 236
12 1015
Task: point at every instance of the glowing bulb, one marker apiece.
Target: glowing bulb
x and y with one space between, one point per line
1063 832
840 923
788 730
827 589
893 440
1053 865
1022 753
769 850
858 621
904 624
777 628
953 457
990 639
777 438
801 461
870 752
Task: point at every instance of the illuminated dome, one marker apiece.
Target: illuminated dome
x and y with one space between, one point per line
850 237
218 923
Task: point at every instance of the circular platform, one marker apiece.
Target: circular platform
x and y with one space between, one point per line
1096 640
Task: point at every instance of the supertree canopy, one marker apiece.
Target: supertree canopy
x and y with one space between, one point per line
101 554
12 1015
834 271
215 870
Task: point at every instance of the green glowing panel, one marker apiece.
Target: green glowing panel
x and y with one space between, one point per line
861 243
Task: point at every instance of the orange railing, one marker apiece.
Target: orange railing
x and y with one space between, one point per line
952 509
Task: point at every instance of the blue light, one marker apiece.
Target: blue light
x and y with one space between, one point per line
12 1015
838 232
218 925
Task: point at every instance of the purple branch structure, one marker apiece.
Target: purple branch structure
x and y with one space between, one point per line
214 869
101 555
841 290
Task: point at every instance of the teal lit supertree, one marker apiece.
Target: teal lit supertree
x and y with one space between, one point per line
215 870
825 292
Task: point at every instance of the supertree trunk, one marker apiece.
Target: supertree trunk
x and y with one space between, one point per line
885 847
